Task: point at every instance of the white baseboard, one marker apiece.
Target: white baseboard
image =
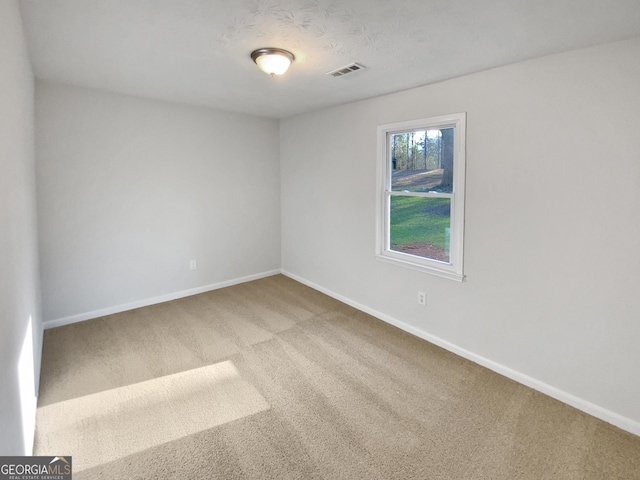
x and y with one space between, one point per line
59 322
597 411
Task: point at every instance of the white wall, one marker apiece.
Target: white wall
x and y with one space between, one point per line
552 255
20 322
130 190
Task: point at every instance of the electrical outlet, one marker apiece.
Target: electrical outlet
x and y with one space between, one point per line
193 265
422 298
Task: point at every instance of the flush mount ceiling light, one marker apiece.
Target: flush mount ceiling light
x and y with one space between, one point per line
273 61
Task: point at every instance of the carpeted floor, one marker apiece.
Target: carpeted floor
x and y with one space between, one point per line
273 380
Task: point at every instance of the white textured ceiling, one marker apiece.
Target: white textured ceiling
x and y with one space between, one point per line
197 51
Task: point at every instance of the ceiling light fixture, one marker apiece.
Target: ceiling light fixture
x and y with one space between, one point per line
273 61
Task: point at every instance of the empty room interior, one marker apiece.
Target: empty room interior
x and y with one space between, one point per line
413 254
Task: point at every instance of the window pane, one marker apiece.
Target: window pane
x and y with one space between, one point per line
420 226
422 161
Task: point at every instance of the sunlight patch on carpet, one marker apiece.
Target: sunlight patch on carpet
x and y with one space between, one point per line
110 425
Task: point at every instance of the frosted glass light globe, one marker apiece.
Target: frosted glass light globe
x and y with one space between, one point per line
273 61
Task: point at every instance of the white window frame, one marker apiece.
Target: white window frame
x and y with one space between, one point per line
454 268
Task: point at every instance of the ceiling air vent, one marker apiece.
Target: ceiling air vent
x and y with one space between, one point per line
353 67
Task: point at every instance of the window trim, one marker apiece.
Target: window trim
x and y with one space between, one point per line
454 269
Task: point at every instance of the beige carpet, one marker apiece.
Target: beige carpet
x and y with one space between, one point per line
271 379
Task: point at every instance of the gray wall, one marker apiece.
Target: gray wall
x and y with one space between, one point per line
20 322
552 294
130 190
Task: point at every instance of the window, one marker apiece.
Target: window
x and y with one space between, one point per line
421 197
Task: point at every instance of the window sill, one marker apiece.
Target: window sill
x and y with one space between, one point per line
422 268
